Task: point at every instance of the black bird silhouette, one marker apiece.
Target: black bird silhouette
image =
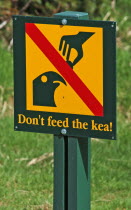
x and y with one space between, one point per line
44 87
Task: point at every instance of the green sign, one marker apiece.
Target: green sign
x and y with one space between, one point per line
65 76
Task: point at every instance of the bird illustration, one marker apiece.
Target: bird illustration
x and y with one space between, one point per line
44 87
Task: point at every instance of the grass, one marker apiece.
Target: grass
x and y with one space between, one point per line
111 172
23 188
6 68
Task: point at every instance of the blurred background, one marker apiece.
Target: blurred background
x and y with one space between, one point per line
26 159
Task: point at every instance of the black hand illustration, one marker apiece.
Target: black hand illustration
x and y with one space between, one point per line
76 42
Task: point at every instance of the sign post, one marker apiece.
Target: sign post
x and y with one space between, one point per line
65 84
72 161
71 173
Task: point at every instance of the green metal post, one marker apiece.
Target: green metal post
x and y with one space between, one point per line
78 173
72 162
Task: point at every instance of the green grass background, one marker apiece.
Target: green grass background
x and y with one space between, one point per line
23 187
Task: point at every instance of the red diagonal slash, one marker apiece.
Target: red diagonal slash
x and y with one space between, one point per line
65 70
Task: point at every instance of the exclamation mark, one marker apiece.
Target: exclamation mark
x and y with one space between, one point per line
110 126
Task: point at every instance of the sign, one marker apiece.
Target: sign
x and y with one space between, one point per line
65 76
